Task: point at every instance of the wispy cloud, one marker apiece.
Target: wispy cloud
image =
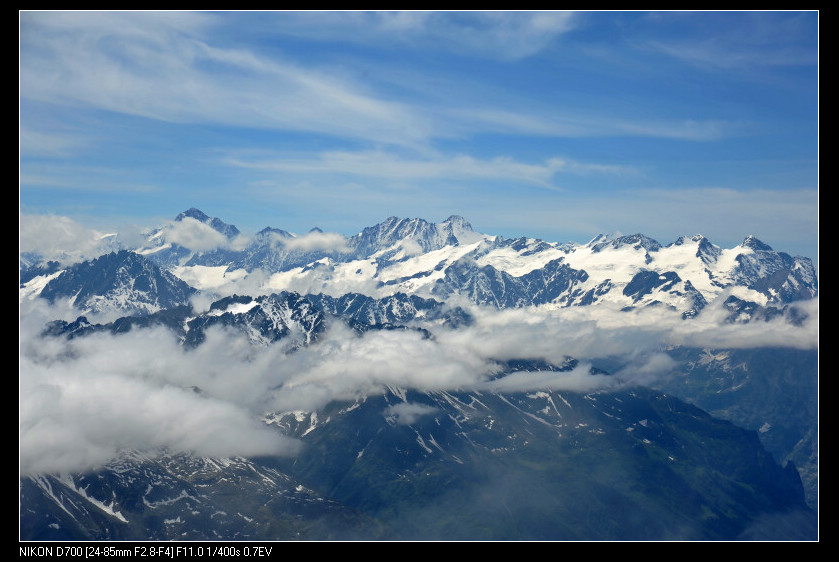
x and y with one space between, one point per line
168 67
41 143
380 164
72 177
501 35
719 54
743 40
160 66
550 122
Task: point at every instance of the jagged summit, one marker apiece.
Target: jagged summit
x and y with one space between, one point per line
634 240
382 356
194 213
430 236
449 259
271 230
458 222
755 244
215 223
123 281
681 240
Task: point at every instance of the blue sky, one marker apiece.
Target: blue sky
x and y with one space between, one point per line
553 125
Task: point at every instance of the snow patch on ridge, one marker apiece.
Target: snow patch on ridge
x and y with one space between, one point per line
515 263
67 480
34 286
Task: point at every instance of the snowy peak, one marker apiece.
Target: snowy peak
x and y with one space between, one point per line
698 239
457 225
636 241
755 244
555 282
123 281
449 259
269 231
264 319
458 222
681 240
707 252
429 236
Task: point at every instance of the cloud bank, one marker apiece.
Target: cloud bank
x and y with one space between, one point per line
83 401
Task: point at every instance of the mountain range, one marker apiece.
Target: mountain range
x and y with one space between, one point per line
439 383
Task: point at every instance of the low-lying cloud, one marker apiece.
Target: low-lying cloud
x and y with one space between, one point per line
315 240
406 413
578 379
605 330
84 400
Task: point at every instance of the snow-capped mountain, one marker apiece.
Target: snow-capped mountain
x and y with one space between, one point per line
415 235
439 260
229 231
418 412
192 232
182 497
121 282
493 464
555 283
263 320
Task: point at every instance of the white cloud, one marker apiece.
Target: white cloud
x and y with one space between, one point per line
410 248
194 234
645 367
578 379
313 241
345 367
591 332
407 413
708 330
60 238
84 400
